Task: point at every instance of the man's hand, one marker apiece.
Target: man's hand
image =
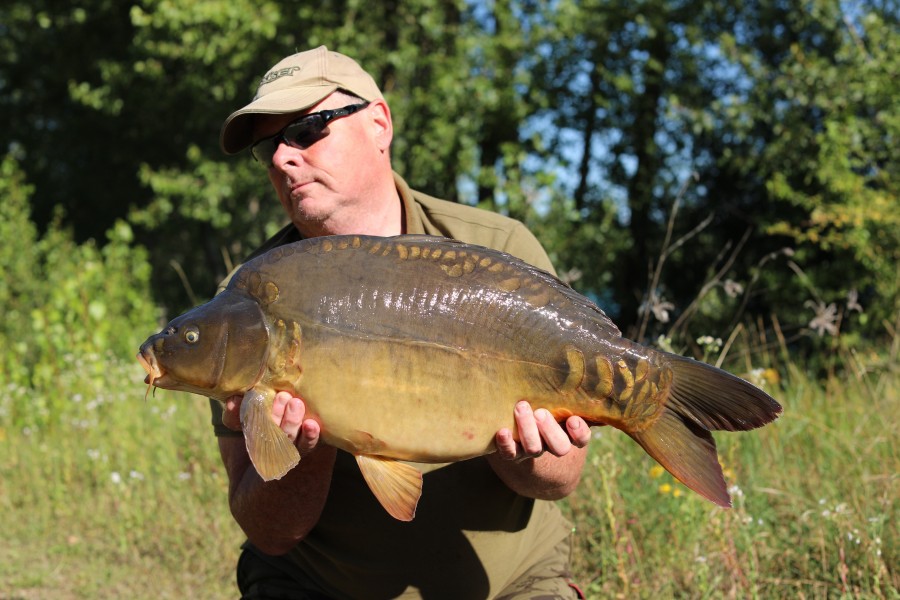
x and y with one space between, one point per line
298 498
539 432
288 413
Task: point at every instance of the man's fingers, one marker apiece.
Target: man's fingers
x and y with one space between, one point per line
579 432
539 432
288 412
506 445
556 440
309 436
279 406
529 435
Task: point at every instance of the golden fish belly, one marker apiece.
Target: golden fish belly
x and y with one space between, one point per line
418 401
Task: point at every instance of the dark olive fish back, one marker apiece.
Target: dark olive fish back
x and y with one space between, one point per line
427 289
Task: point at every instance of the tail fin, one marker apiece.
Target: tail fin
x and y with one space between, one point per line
703 398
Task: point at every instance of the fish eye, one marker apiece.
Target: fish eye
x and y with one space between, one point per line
192 336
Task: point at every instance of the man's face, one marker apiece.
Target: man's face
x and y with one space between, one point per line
319 184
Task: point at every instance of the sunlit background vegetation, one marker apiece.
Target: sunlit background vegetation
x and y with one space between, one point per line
722 178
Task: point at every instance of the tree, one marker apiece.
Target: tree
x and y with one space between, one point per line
770 122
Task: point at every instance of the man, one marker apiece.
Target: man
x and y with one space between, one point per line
486 526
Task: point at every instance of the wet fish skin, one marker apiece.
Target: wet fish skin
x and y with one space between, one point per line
417 348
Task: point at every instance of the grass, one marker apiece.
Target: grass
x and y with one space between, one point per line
109 496
105 495
816 502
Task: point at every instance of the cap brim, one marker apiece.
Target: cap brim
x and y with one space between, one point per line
237 131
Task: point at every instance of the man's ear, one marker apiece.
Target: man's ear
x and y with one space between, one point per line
381 121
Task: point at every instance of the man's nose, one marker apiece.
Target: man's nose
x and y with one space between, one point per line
285 154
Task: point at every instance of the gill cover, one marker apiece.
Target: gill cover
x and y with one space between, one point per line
216 349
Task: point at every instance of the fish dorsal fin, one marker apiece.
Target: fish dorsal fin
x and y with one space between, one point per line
271 450
397 485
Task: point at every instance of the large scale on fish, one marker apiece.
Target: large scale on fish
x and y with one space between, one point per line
416 349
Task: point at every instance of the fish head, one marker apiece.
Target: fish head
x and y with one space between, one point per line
217 349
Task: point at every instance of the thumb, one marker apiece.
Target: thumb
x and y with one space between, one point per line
231 414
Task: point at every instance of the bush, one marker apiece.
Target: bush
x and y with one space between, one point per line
63 303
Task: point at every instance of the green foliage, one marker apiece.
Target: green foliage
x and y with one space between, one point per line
849 187
812 146
584 119
63 300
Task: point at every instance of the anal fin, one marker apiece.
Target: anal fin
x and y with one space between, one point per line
272 452
397 485
687 451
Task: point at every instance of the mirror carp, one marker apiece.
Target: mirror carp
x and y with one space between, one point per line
416 349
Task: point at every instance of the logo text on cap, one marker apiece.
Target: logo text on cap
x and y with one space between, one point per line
273 75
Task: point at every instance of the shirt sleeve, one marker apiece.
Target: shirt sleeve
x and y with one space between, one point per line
524 245
216 409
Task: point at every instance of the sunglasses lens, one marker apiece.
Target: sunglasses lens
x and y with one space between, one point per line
300 134
263 151
305 132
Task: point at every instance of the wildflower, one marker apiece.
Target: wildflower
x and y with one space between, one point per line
571 276
665 488
656 471
757 378
115 477
734 490
136 475
676 493
826 318
93 454
853 301
727 472
733 288
660 308
664 343
184 476
709 342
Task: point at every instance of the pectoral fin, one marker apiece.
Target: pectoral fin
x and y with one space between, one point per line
271 450
397 485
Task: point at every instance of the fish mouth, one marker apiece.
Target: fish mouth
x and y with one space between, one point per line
154 372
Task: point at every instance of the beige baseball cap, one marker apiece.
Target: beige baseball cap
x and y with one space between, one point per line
296 83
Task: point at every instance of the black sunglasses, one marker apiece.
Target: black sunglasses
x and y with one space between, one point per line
302 133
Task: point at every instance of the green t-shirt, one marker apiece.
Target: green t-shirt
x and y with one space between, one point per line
472 535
